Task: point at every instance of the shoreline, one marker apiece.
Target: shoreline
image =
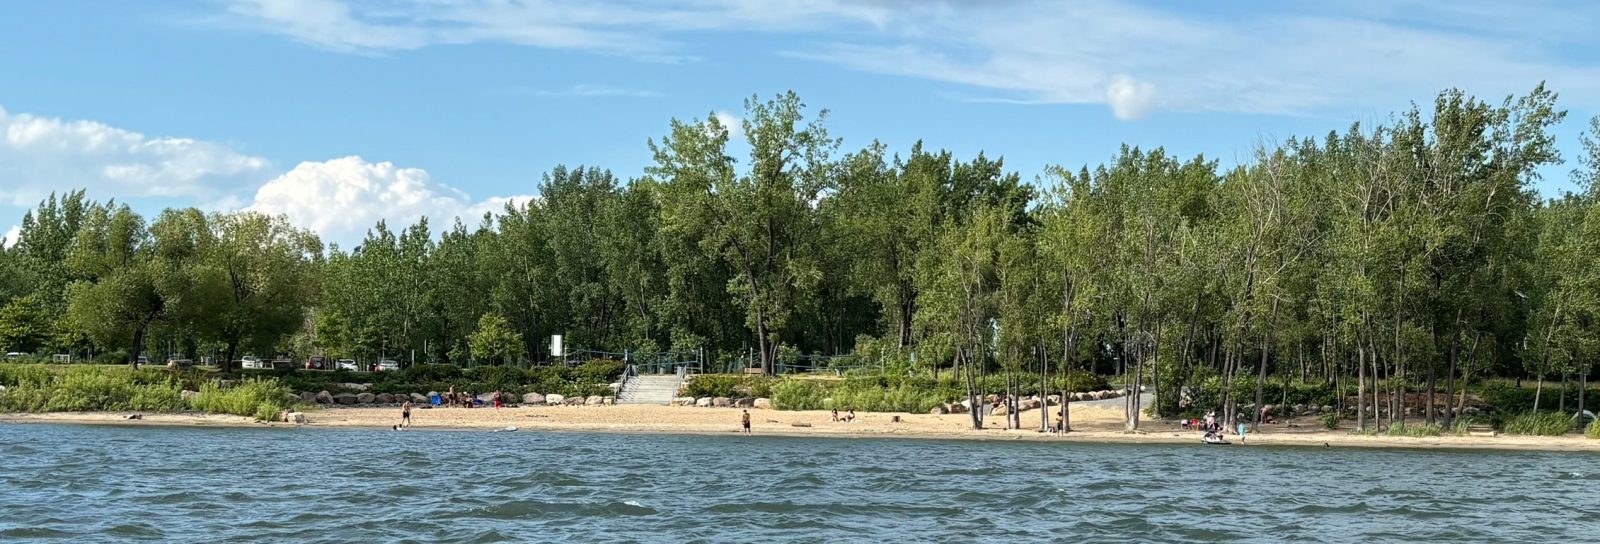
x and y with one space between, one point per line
663 420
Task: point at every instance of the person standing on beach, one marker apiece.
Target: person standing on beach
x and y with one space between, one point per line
405 414
1242 428
745 419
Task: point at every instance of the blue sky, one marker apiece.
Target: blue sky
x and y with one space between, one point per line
341 112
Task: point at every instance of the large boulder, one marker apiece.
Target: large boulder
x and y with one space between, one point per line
593 400
745 402
385 398
345 399
554 399
722 402
576 401
939 410
355 386
761 404
308 397
323 397
1028 404
1053 400
509 398
532 399
419 398
703 402
683 401
608 401
486 398
365 398
188 395
289 416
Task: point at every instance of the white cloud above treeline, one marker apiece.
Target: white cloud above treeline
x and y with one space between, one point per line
339 199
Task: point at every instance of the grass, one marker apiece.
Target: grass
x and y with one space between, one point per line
1593 430
261 399
36 388
1537 424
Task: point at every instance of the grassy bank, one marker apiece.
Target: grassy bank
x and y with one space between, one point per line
99 388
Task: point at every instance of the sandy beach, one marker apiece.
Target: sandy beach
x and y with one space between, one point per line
1090 425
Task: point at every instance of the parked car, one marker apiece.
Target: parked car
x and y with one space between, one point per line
252 363
386 365
346 364
14 355
176 362
316 362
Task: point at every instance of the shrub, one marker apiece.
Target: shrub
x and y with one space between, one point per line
1537 424
712 385
1415 430
897 399
1331 420
1593 430
799 394
261 399
12 375
598 371
88 388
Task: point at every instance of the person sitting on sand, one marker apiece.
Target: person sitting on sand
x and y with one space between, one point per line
835 415
850 417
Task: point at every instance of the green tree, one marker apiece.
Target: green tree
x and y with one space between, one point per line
495 340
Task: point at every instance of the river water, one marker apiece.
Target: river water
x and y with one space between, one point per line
94 484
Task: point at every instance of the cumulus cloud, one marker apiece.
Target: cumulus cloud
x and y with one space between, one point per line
1130 99
43 154
342 198
12 235
733 123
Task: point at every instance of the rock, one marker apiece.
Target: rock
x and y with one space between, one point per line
188 395
703 402
554 399
745 402
998 410
761 404
509 398
1028 404
1326 408
1053 400
960 407
308 397
576 401
683 401
1299 409
486 398
323 397
296 418
355 386
384 398
593 400
608 401
419 398
722 402
365 398
532 399
939 411
345 399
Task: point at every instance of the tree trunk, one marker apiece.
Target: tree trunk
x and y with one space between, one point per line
138 346
229 353
972 399
1537 391
1361 387
1044 389
1261 373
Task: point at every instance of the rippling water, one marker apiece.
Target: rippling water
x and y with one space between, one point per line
310 485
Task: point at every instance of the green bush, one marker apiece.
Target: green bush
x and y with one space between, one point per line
598 371
896 399
712 385
88 388
1593 430
1331 420
261 399
1537 424
800 394
1415 430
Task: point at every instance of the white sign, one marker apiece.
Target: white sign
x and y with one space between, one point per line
555 346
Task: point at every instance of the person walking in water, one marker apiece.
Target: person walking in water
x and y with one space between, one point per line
1242 428
405 414
745 419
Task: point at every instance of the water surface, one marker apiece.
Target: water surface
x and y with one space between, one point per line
321 485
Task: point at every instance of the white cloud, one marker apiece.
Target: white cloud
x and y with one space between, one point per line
733 123
12 235
1130 99
1136 58
342 198
43 154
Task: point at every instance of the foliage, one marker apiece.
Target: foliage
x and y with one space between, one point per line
796 394
728 385
85 388
494 340
1540 423
261 399
1592 430
1331 420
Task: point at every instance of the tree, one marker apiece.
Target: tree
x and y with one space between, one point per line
494 340
256 276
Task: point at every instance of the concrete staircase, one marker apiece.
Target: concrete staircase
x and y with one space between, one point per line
649 389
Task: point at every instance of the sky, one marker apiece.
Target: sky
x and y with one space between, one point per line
338 113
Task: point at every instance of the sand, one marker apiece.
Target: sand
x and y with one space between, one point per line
1090 425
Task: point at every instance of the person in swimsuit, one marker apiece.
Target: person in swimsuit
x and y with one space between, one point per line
405 414
745 419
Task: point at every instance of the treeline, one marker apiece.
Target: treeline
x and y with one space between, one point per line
1414 253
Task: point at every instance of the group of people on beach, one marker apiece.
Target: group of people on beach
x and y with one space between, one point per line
848 417
1213 427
